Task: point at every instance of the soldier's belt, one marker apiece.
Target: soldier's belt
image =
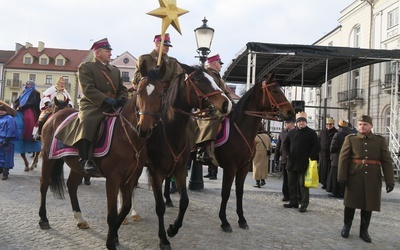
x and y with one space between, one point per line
366 161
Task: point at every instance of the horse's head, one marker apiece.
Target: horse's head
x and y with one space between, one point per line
203 92
273 101
60 102
149 96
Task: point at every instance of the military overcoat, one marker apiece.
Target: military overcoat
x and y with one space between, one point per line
96 87
364 181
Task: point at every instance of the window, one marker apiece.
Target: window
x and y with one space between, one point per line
43 61
355 81
356 37
16 82
393 18
60 62
125 76
49 79
28 60
32 77
126 60
329 90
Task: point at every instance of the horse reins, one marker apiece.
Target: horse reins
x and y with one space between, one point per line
273 103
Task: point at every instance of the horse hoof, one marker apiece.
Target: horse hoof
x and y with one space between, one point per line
44 225
136 217
125 222
26 169
169 204
171 231
33 166
243 225
165 247
226 228
83 225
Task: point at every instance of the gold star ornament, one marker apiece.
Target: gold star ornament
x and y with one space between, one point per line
169 13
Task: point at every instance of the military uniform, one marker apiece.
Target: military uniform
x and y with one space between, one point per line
173 67
362 159
96 88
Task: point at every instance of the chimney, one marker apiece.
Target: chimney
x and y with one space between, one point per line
18 46
28 45
40 46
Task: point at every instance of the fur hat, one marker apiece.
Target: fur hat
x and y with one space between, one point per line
343 123
301 116
330 120
365 118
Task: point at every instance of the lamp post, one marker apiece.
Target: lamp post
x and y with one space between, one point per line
204 35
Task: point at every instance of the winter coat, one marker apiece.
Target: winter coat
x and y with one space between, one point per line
261 157
300 145
95 88
279 152
336 144
364 181
326 139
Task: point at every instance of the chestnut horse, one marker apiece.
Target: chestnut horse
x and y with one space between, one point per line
264 100
121 167
169 148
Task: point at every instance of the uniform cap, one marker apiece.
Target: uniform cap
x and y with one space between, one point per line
330 120
343 123
365 118
301 116
214 58
103 43
167 39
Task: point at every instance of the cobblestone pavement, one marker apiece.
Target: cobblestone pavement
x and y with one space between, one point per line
271 226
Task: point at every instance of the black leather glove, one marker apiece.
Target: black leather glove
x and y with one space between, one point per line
342 182
111 102
389 187
121 102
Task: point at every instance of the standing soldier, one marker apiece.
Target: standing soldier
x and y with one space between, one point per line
362 159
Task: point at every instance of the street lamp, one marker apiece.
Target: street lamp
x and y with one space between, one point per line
204 35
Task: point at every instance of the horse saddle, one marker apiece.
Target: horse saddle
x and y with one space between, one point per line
101 144
223 132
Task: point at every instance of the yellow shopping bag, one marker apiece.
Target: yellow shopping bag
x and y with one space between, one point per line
311 177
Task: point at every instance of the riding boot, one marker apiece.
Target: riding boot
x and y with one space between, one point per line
365 219
85 156
348 220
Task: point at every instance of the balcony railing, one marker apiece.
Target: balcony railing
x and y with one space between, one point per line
13 83
350 95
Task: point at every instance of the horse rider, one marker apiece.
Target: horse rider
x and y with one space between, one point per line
46 104
173 68
207 130
103 90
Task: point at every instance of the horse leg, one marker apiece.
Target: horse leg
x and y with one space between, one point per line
180 180
114 220
47 167
35 161
25 162
239 182
167 193
227 181
134 215
156 182
74 179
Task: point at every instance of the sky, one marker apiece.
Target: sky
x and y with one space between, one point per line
76 24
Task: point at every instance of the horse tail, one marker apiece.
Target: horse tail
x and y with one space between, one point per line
57 184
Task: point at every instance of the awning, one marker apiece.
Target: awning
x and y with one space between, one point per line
288 61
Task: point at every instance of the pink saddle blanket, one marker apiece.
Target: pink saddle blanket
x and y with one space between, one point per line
101 148
223 135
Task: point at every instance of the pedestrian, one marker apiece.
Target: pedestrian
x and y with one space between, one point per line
333 186
46 104
363 158
301 145
103 91
325 154
280 153
261 157
8 133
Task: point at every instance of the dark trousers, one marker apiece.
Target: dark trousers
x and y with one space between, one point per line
296 184
285 186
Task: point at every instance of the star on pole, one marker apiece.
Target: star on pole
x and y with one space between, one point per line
169 13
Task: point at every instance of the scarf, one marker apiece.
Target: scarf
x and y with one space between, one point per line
23 99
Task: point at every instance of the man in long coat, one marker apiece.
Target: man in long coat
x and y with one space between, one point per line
324 164
362 159
103 89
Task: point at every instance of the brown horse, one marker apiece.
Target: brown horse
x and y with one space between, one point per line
168 147
264 100
121 167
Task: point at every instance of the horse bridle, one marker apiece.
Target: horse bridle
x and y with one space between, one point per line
270 115
138 113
